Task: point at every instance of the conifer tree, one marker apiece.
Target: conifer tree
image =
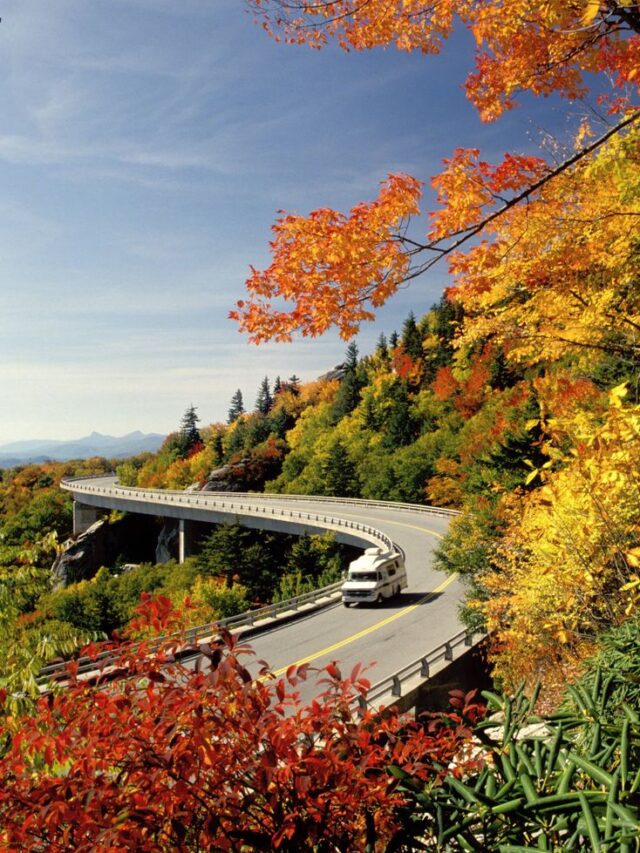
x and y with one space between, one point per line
411 338
293 383
351 356
237 439
348 395
382 350
280 422
222 553
216 444
340 475
399 424
189 432
237 407
264 400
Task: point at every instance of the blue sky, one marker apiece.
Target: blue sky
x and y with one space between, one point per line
145 148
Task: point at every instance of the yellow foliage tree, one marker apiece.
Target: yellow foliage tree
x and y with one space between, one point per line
567 565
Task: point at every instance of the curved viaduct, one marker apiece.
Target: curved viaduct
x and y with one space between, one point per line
391 634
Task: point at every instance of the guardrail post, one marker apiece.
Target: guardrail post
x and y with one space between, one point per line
448 651
468 638
424 668
396 687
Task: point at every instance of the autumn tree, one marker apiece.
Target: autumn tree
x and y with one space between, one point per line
521 45
337 269
218 756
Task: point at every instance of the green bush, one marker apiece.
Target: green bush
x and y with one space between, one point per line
225 600
570 783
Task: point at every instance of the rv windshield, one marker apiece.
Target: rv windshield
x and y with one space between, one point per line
364 576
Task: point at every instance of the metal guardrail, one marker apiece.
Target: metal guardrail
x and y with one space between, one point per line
67 483
419 668
200 632
210 500
393 684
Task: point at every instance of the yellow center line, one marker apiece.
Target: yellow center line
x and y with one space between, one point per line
373 520
370 630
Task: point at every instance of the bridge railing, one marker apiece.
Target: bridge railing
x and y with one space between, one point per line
199 633
243 503
238 502
419 670
68 483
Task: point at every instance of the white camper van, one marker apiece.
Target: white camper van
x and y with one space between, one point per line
377 574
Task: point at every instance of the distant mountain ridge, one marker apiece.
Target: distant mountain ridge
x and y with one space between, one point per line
96 444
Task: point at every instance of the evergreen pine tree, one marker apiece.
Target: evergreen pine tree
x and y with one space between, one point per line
348 395
382 350
280 422
393 341
222 553
237 439
340 475
189 432
264 400
277 387
293 383
216 444
351 356
237 407
369 419
411 337
399 425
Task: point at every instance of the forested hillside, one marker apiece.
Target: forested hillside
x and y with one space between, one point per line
535 440
46 612
516 399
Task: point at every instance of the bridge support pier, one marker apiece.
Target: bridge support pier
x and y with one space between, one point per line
83 517
185 539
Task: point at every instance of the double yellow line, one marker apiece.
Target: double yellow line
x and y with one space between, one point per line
329 649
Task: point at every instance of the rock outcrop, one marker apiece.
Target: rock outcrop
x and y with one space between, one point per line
167 544
236 477
131 539
82 556
338 373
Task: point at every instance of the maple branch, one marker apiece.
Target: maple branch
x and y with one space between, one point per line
619 349
628 14
466 234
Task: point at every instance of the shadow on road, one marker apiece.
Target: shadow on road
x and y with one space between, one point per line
406 599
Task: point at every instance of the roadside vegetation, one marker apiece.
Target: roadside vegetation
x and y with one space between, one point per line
515 399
